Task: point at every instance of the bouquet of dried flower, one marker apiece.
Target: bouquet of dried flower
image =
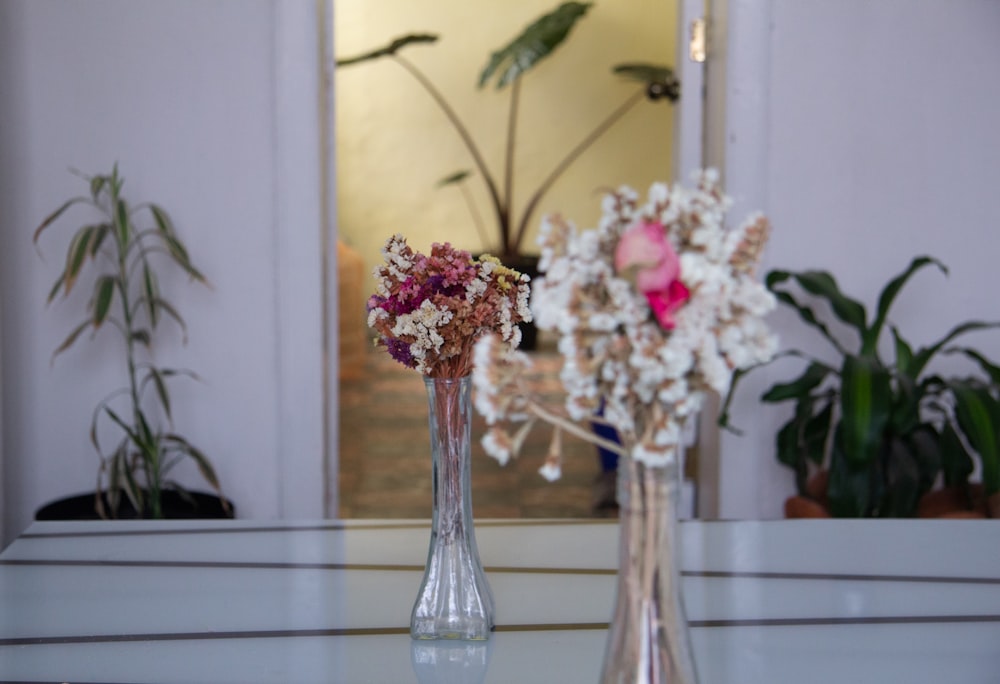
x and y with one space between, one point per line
430 310
654 307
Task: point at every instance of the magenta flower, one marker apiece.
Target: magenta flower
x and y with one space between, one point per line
645 251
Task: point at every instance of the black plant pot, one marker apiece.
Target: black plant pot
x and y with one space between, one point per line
191 506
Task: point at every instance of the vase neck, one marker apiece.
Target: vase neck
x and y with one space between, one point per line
450 418
643 487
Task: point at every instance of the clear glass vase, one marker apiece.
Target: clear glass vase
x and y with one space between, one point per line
648 639
455 600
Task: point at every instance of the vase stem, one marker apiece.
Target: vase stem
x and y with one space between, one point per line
648 639
454 600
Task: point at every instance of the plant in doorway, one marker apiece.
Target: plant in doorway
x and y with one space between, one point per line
506 66
133 474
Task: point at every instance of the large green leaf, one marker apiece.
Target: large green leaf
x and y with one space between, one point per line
390 49
536 42
865 407
888 296
978 414
811 378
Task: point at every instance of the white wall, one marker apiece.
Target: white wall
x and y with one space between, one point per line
867 131
211 108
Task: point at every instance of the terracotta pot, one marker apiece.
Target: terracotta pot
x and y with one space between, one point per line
953 502
804 507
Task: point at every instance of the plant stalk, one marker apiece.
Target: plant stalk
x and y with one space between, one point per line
463 133
515 98
561 167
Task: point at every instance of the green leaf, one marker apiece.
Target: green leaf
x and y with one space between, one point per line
204 466
123 226
816 432
659 80
849 488
104 292
888 296
822 284
162 219
811 378
535 43
161 389
904 353
100 232
97 183
988 367
180 256
775 278
925 444
924 356
56 214
956 461
902 482
151 289
123 425
454 178
865 407
54 292
390 49
978 414
79 248
71 338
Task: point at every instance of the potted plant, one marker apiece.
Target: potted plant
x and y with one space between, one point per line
126 298
875 436
505 67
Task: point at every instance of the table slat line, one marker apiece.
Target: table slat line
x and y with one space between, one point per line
358 525
275 565
540 627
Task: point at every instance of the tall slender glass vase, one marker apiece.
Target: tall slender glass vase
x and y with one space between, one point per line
455 600
648 639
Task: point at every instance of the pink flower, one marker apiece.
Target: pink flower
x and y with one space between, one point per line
665 303
645 249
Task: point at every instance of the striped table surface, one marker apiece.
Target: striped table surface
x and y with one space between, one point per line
329 601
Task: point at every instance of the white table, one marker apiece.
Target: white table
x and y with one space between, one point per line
326 601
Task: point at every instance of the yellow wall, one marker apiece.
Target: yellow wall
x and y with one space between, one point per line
394 144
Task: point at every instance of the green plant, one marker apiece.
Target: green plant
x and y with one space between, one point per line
126 296
885 432
507 65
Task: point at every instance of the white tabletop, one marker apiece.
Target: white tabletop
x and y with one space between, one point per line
327 601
